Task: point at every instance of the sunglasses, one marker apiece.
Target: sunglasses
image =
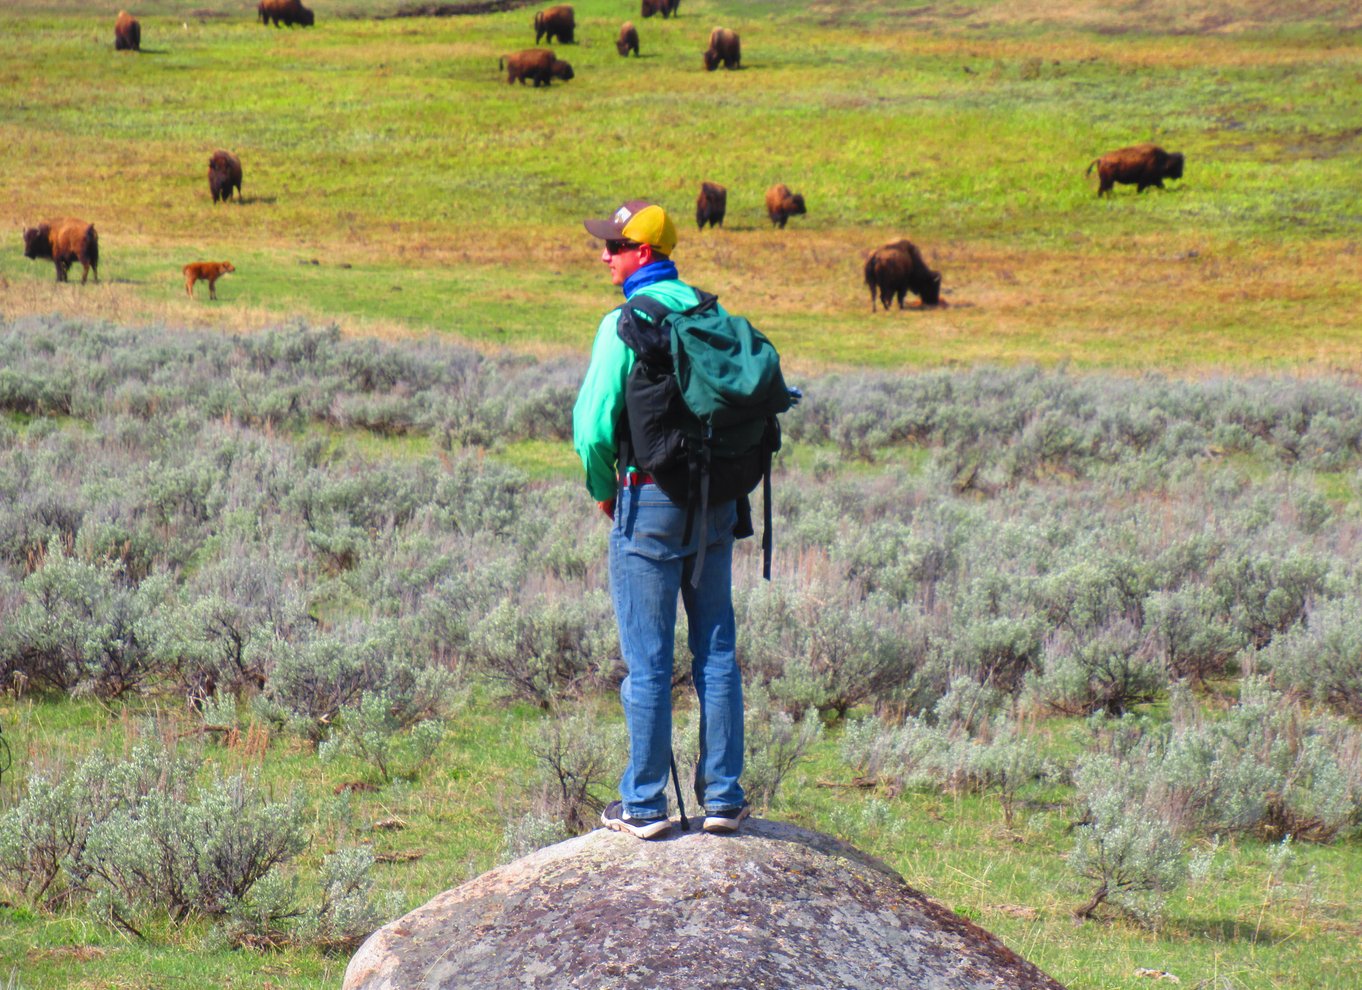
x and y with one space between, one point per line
619 247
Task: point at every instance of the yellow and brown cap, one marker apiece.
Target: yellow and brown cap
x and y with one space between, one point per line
639 221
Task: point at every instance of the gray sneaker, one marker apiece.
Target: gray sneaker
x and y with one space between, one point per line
726 820
613 817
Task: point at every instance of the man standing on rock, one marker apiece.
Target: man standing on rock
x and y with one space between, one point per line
656 550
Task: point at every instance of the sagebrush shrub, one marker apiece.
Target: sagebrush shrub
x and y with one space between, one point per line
1322 657
1123 846
546 649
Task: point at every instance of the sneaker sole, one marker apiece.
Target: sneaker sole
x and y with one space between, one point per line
643 832
718 825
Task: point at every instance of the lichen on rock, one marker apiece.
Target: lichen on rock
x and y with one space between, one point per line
775 906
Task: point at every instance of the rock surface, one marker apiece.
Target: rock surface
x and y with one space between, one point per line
775 906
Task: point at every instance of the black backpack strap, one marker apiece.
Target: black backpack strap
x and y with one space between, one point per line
766 536
649 338
704 516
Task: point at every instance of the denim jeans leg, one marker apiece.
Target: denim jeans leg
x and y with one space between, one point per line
650 566
718 681
645 578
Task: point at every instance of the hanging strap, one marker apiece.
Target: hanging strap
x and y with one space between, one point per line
680 801
704 515
767 539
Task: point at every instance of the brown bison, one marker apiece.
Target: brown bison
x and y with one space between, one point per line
724 47
896 269
288 12
667 8
224 174
209 270
537 64
781 204
628 40
1142 165
127 33
711 205
65 241
556 23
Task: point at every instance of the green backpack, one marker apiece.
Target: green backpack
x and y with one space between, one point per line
700 408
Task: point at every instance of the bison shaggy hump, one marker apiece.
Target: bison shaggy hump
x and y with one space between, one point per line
628 40
711 205
1142 165
555 24
666 8
65 241
224 174
288 12
896 269
127 33
725 47
781 204
537 64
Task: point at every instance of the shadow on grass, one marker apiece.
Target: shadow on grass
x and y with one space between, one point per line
1229 930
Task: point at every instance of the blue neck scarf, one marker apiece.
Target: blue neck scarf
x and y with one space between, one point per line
661 270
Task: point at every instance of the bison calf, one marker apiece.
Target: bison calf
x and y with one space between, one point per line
725 47
224 174
1142 165
210 270
628 40
288 12
555 24
65 242
781 204
896 269
127 33
711 205
537 64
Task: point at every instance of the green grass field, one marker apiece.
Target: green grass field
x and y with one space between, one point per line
396 186
436 199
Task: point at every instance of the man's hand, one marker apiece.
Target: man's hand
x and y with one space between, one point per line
608 507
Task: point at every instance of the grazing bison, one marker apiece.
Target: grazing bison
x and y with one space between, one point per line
1143 165
711 205
288 12
556 23
781 204
667 8
210 270
65 241
628 40
724 47
896 269
224 173
127 33
537 64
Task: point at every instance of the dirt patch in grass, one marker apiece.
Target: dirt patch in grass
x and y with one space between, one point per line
75 953
457 9
1195 17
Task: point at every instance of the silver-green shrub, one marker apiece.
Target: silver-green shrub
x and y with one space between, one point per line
544 649
1124 847
1322 657
139 834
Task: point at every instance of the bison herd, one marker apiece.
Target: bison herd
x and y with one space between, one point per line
891 271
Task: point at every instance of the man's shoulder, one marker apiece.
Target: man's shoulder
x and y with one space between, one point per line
672 292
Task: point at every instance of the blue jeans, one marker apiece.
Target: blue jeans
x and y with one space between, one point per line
650 566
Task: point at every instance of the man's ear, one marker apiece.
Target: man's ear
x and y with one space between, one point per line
645 255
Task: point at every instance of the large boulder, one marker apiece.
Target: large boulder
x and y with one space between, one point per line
775 906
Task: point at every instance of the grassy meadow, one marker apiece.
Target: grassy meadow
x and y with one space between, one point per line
433 198
396 187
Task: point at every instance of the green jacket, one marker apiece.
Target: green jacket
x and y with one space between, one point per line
600 403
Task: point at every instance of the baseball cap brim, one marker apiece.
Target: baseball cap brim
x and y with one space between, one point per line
637 220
